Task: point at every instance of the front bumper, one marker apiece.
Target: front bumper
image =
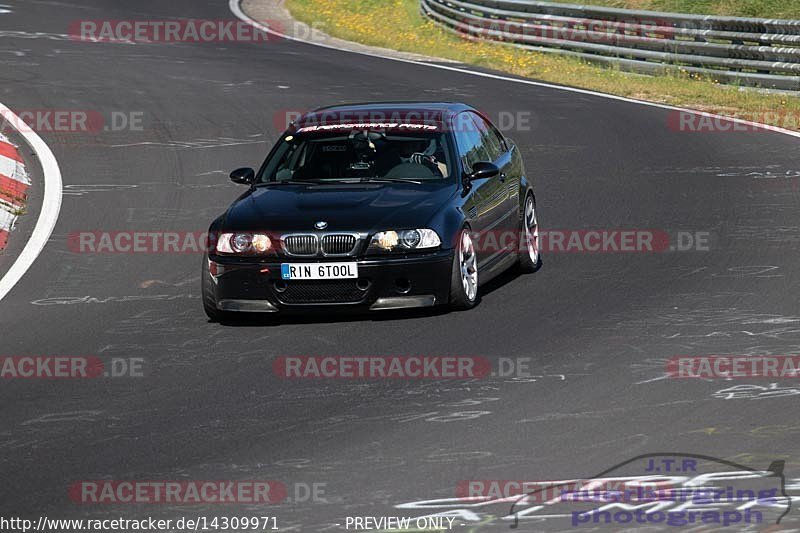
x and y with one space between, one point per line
384 283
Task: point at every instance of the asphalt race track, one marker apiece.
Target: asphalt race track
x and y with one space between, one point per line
597 328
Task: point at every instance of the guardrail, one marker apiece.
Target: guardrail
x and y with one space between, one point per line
736 50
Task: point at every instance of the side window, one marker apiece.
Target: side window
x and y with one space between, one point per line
470 143
490 138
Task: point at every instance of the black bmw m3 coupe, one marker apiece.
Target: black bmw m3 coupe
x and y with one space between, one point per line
374 207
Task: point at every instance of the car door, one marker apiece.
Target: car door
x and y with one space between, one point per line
482 207
507 193
505 218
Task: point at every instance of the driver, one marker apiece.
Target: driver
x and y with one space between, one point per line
431 156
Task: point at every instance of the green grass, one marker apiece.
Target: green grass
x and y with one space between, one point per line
783 9
398 24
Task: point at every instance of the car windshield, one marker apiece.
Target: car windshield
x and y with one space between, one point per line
357 155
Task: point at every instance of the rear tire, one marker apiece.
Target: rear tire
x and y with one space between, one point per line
464 277
530 256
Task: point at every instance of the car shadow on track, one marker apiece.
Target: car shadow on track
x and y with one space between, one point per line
320 317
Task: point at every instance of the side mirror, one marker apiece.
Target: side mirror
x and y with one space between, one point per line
483 169
243 176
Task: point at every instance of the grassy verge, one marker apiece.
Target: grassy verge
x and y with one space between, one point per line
777 9
398 24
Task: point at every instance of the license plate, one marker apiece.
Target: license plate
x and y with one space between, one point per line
319 270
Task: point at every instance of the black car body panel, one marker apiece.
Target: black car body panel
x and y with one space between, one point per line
380 277
362 206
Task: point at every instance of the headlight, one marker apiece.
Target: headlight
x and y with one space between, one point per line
410 239
244 243
241 242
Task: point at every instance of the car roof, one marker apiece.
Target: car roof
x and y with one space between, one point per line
430 112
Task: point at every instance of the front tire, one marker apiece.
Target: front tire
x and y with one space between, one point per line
530 256
464 278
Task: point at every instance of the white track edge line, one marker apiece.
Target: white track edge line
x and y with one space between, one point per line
51 205
236 9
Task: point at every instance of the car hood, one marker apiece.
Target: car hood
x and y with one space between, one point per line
345 207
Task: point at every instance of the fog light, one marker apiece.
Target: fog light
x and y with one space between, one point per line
403 285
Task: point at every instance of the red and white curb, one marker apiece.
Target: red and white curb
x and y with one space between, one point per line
14 183
51 202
